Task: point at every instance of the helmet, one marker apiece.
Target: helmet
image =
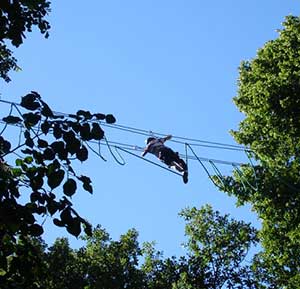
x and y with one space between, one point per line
149 139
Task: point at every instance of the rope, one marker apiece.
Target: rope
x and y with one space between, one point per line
122 162
218 173
240 173
198 142
186 155
94 151
126 147
253 169
204 167
138 148
176 139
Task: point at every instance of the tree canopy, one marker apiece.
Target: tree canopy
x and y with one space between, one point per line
269 98
214 259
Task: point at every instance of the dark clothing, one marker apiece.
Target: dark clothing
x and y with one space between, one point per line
155 147
167 155
163 152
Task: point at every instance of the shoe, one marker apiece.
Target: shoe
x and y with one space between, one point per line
185 177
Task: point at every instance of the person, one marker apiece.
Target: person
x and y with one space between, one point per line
156 146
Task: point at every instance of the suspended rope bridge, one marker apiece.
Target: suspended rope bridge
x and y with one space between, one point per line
117 148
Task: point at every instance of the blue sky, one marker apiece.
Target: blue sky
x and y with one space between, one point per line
163 66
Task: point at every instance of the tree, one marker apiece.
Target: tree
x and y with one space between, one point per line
65 267
16 18
29 269
43 174
217 247
102 263
216 250
269 97
113 264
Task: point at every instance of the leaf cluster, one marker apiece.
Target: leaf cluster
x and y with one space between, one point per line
16 18
269 97
43 173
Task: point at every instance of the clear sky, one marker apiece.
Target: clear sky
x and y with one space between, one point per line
164 66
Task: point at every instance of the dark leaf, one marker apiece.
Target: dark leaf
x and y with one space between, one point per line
97 132
12 119
29 142
57 131
58 146
36 182
74 227
84 179
52 207
85 132
42 143
63 155
31 119
66 216
88 188
29 101
69 136
100 116
46 110
34 196
70 187
73 146
109 118
55 178
4 146
38 156
86 183
82 154
36 95
72 143
27 134
45 126
55 165
36 230
41 210
75 126
88 229
51 196
58 222
27 151
49 154
86 114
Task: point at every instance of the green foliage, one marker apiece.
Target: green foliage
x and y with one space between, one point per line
269 97
217 248
26 267
108 264
102 263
